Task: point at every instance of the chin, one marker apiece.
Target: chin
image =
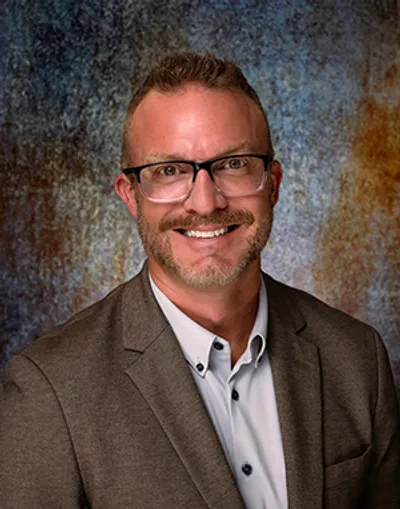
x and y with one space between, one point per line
211 275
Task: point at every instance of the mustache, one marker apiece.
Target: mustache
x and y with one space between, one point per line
224 218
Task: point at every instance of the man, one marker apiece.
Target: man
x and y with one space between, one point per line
201 383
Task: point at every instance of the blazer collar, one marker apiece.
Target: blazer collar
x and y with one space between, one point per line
296 370
142 318
140 311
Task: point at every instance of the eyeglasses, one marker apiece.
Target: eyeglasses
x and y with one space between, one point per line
233 176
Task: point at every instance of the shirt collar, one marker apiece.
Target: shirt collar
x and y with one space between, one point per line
197 342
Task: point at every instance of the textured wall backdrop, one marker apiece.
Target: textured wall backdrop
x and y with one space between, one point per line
328 74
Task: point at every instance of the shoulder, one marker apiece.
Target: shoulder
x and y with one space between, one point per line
310 307
351 354
330 329
92 339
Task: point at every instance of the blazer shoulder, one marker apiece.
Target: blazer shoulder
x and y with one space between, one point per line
94 333
323 323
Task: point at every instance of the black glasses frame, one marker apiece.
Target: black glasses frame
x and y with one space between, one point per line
206 165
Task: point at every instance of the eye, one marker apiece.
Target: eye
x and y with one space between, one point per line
169 170
235 163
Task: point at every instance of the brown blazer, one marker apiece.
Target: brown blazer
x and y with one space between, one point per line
102 412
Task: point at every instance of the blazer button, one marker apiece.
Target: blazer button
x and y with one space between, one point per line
199 367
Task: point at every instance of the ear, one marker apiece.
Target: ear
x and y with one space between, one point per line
276 177
126 191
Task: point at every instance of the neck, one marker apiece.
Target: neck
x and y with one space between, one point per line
228 311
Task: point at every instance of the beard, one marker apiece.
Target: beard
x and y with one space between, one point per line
215 271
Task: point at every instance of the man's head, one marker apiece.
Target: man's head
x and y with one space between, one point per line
198 108
175 71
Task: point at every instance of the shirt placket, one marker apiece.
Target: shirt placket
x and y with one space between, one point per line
244 467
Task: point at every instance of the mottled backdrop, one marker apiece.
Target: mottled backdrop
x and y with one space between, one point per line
328 74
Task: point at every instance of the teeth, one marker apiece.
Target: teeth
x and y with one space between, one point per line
206 235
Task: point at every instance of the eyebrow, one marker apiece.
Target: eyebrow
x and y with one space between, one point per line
155 157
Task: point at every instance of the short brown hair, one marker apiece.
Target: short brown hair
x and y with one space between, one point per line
178 69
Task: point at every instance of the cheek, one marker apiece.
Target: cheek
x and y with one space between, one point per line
153 214
259 205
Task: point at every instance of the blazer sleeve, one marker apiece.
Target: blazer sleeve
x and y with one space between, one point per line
383 489
38 468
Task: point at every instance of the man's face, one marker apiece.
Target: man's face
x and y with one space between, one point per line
198 124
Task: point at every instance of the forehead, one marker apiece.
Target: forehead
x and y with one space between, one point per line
196 123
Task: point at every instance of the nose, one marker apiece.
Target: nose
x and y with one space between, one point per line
205 197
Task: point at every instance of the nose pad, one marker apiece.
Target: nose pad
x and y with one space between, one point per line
200 170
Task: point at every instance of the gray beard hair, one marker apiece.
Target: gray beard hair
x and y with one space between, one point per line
159 247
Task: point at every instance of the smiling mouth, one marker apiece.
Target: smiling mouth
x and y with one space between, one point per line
208 234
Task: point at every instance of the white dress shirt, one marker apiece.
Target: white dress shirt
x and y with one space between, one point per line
241 402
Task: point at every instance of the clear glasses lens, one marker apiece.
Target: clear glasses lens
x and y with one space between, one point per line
238 176
167 181
234 176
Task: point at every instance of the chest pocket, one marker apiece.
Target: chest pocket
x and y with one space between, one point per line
354 468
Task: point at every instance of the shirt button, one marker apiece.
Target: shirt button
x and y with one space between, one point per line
218 345
235 395
247 469
199 367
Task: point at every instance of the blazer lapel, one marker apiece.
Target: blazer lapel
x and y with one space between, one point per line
163 377
297 380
